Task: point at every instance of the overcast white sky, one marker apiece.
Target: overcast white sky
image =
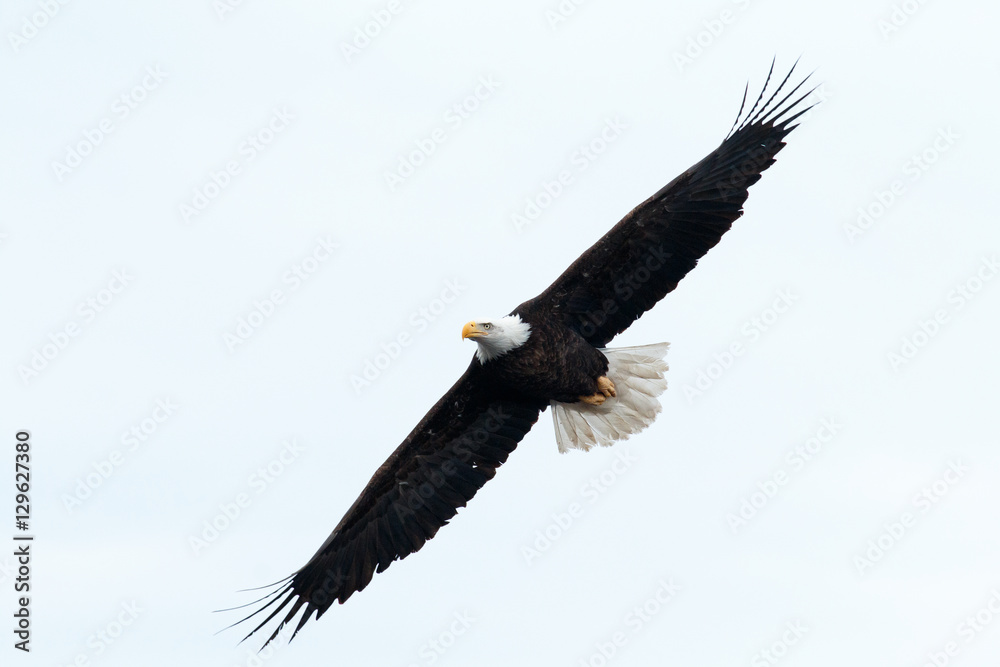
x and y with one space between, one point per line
214 216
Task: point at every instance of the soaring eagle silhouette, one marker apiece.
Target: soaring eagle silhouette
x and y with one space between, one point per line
547 351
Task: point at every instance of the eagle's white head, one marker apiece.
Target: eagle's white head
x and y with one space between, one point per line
494 338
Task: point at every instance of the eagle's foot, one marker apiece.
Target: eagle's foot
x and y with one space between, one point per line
606 389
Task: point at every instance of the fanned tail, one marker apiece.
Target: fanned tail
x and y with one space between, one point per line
638 374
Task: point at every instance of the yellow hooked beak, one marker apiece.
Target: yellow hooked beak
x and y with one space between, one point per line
472 330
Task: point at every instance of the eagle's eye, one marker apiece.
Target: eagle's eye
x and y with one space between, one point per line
487 326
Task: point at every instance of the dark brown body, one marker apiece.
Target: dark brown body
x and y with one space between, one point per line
555 364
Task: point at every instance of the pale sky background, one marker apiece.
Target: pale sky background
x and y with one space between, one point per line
123 300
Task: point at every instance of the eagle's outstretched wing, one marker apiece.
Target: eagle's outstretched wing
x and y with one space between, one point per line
439 467
645 255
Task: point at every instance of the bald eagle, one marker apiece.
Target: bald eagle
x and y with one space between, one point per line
549 351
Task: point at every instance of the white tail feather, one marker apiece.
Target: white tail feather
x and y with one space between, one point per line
638 376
